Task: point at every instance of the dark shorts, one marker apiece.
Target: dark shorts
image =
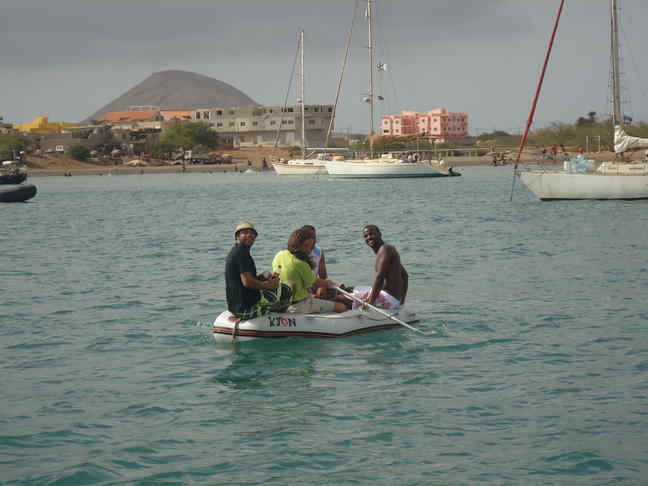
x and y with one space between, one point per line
270 301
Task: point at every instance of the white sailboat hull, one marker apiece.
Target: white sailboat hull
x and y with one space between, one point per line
299 167
284 325
549 186
376 168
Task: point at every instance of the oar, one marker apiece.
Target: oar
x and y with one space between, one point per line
378 310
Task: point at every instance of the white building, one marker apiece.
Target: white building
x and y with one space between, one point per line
258 125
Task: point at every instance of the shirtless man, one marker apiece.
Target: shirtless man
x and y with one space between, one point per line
390 274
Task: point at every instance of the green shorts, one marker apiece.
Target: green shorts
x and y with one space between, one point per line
270 301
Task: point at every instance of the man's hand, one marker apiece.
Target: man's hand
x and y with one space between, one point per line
273 282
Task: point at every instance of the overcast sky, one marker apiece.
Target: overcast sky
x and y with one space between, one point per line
65 59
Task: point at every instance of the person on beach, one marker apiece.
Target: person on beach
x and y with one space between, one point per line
294 264
248 294
389 287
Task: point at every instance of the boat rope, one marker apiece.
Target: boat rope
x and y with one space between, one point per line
235 327
285 103
642 88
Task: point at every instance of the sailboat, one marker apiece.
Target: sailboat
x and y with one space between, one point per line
387 165
303 165
581 179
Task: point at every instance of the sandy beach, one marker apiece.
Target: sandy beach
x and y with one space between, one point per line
242 160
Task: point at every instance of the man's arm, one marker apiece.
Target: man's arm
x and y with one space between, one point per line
405 280
321 270
383 262
250 282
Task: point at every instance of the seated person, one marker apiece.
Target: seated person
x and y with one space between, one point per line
293 264
249 295
318 265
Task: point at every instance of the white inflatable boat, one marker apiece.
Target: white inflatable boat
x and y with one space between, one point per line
285 325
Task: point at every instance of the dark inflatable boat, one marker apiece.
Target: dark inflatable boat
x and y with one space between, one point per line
17 193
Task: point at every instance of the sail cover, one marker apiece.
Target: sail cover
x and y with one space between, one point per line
624 142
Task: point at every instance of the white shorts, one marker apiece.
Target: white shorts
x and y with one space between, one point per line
384 300
311 306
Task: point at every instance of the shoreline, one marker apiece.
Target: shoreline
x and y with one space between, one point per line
105 170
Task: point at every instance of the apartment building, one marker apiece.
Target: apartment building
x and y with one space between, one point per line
436 123
259 125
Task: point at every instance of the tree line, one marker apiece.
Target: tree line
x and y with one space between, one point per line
195 136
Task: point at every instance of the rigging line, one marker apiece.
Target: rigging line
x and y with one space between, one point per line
406 73
337 94
292 73
634 67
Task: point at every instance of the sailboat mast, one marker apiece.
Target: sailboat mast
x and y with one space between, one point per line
303 121
370 47
614 56
539 87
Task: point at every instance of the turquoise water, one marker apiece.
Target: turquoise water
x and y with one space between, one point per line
538 373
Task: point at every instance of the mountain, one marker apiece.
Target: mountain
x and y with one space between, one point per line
177 90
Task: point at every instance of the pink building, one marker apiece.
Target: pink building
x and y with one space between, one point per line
436 123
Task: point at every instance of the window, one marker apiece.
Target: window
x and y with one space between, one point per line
242 124
219 112
272 122
197 115
206 115
311 122
231 112
330 110
255 123
219 124
231 124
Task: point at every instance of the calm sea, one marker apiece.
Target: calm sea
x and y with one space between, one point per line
538 373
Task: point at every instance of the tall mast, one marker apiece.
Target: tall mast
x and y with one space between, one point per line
370 47
538 88
301 100
616 87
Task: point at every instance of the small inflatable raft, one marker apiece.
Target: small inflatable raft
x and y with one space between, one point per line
308 325
17 193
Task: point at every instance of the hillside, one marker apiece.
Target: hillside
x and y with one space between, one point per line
177 90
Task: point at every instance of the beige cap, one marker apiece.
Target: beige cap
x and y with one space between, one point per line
244 225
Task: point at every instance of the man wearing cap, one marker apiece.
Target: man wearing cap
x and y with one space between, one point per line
249 295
